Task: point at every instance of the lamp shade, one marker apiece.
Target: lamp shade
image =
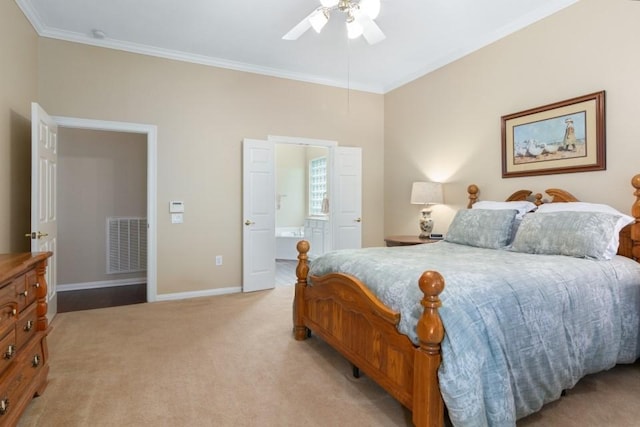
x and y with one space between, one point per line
423 193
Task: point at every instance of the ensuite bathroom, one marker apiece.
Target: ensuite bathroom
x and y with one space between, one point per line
302 205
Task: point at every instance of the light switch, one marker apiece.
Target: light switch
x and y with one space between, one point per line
177 218
176 206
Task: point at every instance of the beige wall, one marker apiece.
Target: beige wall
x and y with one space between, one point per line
100 174
202 114
446 126
18 87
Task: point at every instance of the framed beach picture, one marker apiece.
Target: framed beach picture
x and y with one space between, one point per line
564 137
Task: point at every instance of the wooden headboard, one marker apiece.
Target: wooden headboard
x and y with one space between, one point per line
629 236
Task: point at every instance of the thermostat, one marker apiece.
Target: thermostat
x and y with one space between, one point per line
176 206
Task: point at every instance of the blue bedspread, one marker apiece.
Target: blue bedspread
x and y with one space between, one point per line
520 328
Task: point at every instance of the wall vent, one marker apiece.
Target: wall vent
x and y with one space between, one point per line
126 244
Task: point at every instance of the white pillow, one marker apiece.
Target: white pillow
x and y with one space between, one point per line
522 206
623 220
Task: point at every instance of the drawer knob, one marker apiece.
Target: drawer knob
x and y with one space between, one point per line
11 351
4 406
28 326
36 361
36 285
24 293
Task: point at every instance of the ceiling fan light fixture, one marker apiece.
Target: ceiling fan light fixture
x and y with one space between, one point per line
319 19
329 3
354 29
360 15
370 7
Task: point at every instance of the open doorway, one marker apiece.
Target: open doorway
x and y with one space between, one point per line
302 204
340 228
146 162
102 219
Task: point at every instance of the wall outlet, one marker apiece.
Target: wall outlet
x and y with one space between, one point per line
218 259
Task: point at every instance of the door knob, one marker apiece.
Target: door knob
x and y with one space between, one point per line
247 222
358 219
35 235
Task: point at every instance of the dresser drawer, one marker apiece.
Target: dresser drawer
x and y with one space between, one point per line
15 382
8 313
31 287
26 325
8 349
25 288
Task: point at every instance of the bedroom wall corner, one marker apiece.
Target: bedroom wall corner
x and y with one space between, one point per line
446 125
18 86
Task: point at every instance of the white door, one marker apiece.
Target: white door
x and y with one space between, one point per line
44 160
259 215
346 189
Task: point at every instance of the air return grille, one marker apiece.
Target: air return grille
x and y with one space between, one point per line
126 244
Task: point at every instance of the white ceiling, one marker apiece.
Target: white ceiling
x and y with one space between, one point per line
246 35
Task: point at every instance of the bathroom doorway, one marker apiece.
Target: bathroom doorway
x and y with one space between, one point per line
302 204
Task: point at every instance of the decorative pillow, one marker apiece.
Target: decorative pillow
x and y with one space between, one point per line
577 234
522 206
623 220
483 228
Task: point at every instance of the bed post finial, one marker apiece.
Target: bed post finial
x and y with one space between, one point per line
635 209
538 199
473 194
635 212
302 270
428 408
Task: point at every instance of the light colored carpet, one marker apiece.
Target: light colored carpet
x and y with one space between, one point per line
232 361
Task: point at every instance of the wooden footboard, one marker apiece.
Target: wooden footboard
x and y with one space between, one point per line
343 312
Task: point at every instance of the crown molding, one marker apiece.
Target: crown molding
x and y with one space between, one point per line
141 49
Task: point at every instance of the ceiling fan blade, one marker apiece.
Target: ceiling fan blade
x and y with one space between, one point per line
299 29
370 30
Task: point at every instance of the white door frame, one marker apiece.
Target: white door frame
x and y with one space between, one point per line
302 141
152 159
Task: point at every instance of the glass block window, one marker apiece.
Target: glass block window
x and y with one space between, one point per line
317 185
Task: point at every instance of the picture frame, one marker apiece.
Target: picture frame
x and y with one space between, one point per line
563 137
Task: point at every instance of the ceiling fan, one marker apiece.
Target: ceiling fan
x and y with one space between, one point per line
359 19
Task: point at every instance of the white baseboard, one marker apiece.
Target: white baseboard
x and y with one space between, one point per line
196 294
100 284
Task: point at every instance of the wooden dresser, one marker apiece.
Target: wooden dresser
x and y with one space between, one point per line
23 330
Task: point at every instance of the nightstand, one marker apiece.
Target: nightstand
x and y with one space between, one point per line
406 240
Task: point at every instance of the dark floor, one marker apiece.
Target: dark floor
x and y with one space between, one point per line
134 294
102 297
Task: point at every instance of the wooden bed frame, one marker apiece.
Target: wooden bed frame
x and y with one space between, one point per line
342 311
